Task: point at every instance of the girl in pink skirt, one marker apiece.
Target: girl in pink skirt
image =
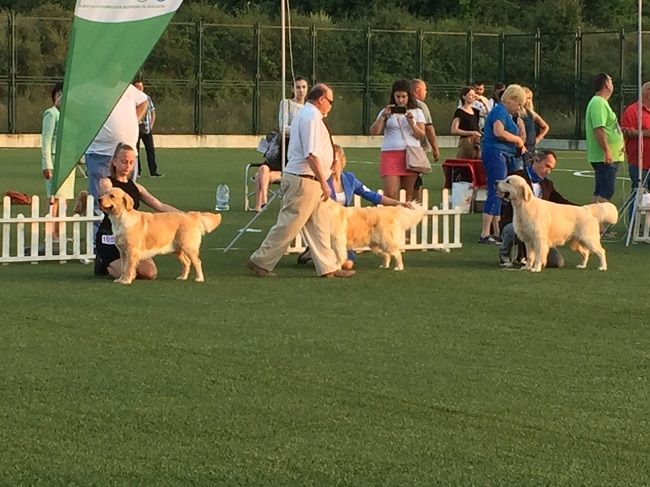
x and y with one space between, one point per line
402 123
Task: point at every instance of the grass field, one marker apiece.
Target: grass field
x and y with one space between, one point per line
453 372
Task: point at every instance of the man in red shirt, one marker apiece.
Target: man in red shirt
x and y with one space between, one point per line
629 127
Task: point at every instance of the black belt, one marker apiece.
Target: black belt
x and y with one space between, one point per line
306 176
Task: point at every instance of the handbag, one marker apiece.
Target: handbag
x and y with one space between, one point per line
416 158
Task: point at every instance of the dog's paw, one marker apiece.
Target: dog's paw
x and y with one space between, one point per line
581 266
602 268
122 281
382 266
533 269
199 279
527 268
181 278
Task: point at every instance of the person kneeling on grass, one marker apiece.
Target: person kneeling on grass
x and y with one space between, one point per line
536 176
121 167
343 187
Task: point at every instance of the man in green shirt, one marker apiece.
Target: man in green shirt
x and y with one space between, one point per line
605 146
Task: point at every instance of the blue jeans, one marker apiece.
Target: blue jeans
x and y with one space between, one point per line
496 169
97 166
605 179
515 163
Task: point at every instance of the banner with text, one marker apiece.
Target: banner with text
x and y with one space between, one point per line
109 42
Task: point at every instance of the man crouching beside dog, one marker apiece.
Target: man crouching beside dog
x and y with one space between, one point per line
543 224
535 175
128 239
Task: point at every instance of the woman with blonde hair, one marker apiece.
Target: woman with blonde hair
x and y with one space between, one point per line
107 260
536 127
501 139
344 185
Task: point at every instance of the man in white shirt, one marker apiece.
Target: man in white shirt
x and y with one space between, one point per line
305 189
120 126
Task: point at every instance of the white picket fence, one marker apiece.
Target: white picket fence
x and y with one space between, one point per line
31 236
438 230
642 221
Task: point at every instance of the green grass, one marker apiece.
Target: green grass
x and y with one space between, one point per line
453 372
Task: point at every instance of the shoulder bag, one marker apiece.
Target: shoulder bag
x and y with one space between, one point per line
416 158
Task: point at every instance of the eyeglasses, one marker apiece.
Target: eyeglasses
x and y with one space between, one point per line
331 101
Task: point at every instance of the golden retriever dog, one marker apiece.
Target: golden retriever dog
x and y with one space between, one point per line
382 228
140 235
543 224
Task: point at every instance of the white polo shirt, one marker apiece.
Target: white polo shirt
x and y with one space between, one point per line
309 136
122 124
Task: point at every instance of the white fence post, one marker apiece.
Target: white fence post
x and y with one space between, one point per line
41 245
420 240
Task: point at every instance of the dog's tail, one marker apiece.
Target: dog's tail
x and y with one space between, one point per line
209 221
606 213
411 217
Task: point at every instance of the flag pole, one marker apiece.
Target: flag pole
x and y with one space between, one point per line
283 130
634 219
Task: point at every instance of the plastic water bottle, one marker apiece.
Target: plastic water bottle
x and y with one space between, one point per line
223 198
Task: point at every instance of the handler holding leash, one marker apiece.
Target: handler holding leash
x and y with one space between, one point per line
304 188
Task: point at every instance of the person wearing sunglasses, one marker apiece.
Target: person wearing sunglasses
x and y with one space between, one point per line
305 190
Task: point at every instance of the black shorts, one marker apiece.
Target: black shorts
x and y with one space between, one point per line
105 253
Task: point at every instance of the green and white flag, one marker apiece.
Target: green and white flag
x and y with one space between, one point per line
109 42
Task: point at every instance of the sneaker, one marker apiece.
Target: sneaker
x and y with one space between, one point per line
157 175
609 235
489 239
505 261
496 238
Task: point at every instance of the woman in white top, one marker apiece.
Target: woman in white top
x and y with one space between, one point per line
270 172
402 124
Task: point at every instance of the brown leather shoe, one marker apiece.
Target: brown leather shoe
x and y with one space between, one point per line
259 271
340 273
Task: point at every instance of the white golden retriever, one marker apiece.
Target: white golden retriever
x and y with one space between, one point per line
543 224
140 235
382 228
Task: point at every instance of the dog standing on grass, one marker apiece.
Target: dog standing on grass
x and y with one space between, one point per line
140 235
543 224
382 228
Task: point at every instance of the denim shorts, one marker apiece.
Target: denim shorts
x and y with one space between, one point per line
605 179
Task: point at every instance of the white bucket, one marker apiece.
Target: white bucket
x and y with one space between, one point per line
462 193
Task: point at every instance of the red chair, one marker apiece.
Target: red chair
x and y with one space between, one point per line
473 166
